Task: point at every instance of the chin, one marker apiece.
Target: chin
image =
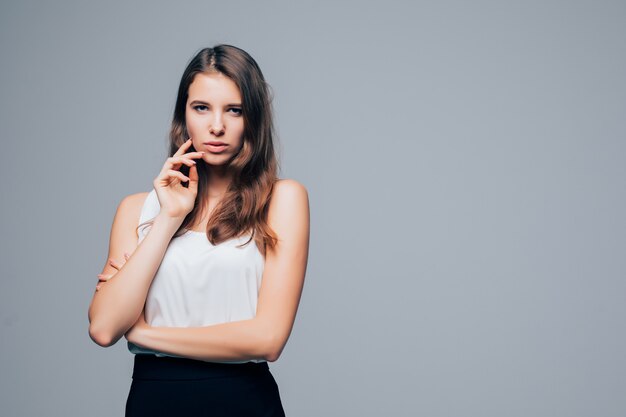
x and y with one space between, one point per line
217 160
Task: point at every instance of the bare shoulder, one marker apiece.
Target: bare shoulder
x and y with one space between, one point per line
134 200
288 212
287 192
123 237
129 209
132 203
289 184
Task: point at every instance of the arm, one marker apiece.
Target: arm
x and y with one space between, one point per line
265 335
117 305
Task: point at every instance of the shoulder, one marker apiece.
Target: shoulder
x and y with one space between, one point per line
290 187
124 228
134 202
289 207
129 208
287 192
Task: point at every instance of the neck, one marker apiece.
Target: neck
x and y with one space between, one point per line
218 180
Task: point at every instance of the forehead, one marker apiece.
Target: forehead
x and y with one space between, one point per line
213 87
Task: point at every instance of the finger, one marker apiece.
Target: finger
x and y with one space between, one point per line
175 162
188 161
197 154
165 180
178 175
115 264
104 277
193 180
170 177
183 147
179 160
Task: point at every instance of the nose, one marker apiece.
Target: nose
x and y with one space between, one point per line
217 126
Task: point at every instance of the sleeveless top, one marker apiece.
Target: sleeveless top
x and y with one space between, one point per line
200 284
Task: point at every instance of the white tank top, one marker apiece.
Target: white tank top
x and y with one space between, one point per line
200 284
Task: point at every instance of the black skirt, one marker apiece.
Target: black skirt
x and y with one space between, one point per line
182 387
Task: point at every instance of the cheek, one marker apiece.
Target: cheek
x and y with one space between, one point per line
189 122
240 130
241 139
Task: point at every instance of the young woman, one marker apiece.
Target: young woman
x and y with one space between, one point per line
205 271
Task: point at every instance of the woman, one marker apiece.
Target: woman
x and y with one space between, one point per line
211 277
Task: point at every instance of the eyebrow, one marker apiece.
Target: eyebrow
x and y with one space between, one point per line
205 103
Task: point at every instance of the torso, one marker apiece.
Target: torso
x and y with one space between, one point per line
199 283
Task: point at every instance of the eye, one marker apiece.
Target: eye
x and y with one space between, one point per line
236 109
198 107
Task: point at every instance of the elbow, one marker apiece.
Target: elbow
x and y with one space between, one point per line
100 337
96 333
273 348
269 340
271 356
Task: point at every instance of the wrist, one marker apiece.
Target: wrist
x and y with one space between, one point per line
139 336
167 222
142 336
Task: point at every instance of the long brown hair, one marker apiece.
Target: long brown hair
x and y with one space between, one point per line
245 203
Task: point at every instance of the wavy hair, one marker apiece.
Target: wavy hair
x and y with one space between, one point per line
245 204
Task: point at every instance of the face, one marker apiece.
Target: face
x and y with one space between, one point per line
213 115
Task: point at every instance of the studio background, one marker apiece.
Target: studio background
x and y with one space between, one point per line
465 169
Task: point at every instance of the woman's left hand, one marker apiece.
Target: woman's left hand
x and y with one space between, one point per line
103 279
135 333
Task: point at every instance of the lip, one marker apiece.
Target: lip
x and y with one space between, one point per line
216 148
215 143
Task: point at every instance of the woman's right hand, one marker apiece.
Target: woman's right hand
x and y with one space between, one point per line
177 201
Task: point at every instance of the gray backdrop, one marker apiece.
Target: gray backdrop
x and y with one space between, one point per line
465 167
